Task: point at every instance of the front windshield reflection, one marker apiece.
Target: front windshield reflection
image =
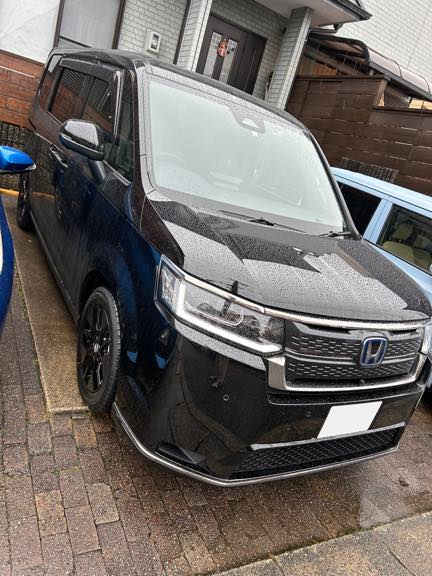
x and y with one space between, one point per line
217 149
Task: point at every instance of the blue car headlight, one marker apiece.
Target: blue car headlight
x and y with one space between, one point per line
220 314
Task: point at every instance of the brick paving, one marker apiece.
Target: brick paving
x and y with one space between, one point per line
76 497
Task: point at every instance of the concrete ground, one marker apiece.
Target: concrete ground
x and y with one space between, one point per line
77 498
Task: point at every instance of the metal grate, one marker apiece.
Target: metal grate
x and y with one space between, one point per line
315 454
15 136
347 346
310 371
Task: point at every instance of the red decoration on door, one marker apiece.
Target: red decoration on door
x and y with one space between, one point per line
223 48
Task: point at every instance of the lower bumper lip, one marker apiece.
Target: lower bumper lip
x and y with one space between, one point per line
175 467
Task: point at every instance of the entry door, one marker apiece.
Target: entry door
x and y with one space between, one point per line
230 54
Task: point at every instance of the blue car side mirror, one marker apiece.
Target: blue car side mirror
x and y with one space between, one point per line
13 161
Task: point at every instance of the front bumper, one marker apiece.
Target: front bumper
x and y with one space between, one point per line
207 411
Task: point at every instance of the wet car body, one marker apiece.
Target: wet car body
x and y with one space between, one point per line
6 265
189 399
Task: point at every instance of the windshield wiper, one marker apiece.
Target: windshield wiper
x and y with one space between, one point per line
333 234
260 220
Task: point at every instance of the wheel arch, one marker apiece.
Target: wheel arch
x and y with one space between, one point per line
113 273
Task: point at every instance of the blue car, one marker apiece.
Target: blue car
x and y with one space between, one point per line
397 221
12 161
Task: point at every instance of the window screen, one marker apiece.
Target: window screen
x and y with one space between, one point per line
408 236
361 205
72 89
122 152
48 79
89 23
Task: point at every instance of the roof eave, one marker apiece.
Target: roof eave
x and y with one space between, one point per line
359 12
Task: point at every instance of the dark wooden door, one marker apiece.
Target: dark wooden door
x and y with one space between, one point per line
230 54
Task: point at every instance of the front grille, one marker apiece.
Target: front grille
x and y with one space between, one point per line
312 371
315 454
315 355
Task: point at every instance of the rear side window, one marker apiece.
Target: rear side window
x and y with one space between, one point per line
72 89
361 205
408 236
48 80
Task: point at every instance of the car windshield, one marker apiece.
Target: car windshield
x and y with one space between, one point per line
224 149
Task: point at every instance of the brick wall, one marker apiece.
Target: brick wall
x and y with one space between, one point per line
343 115
164 16
400 29
19 78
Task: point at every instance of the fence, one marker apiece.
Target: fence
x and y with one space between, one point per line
344 115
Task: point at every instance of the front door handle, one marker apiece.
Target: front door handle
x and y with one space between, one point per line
57 156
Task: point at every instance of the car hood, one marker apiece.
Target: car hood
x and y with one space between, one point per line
283 269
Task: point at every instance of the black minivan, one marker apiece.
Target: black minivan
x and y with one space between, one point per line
227 307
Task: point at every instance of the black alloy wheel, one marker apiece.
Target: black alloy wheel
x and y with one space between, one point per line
98 353
23 203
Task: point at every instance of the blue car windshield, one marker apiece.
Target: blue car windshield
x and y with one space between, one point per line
220 147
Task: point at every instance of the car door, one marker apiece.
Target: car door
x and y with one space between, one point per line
67 101
83 183
404 236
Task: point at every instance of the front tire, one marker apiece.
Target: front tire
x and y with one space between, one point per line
98 354
23 217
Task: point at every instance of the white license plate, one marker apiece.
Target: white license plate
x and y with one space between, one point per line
349 419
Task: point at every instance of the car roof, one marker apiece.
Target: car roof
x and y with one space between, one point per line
374 184
134 60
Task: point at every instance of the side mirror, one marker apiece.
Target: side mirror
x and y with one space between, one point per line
13 161
83 137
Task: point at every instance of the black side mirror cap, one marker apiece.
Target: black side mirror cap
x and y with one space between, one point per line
83 137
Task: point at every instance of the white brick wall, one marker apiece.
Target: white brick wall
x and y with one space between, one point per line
289 56
193 35
163 16
399 29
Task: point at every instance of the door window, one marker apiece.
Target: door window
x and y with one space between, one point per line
408 236
72 89
212 54
361 205
122 152
228 60
99 109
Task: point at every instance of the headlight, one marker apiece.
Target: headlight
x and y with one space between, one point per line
216 313
427 340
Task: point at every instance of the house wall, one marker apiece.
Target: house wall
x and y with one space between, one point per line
166 17
141 16
342 114
28 27
400 29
